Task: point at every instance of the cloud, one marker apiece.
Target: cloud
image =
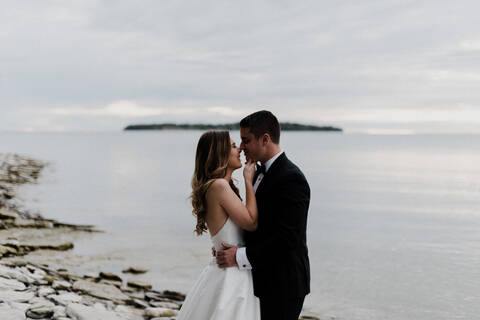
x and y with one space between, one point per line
185 61
131 109
120 109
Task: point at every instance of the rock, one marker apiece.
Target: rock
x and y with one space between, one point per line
11 284
26 248
99 290
16 296
59 312
13 243
35 273
39 311
60 247
32 223
127 312
67 275
308 318
153 296
140 303
8 214
65 298
7 313
61 285
136 294
41 301
49 279
139 285
117 284
174 295
14 273
23 307
159 297
81 312
135 270
110 276
16 263
160 312
45 291
163 304
7 251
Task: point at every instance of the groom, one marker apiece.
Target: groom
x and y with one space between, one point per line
277 251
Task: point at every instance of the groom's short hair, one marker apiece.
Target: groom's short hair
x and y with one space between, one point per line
262 122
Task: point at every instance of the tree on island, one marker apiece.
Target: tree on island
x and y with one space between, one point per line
286 126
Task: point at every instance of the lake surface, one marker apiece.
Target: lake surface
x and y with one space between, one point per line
393 228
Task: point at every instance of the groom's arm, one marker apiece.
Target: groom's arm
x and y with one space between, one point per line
291 208
242 260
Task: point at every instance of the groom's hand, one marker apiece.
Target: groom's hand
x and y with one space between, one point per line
227 257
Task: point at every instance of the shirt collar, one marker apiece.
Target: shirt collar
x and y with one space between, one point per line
270 161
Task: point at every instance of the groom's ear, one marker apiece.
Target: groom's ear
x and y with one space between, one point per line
266 139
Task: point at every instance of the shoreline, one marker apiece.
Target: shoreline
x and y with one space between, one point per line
35 258
36 290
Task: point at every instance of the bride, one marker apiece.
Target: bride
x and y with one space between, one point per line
220 294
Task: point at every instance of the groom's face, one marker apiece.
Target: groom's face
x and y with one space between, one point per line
250 145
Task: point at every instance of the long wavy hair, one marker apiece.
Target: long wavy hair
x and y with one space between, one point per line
211 162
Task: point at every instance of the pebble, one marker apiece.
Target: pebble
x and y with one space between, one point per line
163 304
110 276
100 290
139 285
45 291
11 284
16 296
40 311
61 285
135 270
159 312
65 298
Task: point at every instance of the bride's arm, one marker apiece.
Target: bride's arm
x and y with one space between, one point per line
251 201
243 216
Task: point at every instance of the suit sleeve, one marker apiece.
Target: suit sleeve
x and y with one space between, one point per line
290 222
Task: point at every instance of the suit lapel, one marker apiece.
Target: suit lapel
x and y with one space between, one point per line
269 176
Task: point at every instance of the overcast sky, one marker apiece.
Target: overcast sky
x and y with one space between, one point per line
371 66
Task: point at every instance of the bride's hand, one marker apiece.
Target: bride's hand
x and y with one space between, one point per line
249 171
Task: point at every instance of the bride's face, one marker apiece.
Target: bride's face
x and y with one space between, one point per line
234 158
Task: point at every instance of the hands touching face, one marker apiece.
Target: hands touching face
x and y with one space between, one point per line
249 171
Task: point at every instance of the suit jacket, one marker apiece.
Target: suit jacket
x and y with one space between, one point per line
277 250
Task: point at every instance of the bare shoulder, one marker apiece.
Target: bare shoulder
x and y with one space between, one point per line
219 183
217 187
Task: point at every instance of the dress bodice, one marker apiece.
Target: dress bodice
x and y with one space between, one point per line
229 233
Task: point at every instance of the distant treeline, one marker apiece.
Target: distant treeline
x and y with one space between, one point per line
286 126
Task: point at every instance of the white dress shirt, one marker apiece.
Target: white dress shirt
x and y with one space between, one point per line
241 256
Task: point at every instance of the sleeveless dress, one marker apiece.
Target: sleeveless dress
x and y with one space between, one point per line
221 294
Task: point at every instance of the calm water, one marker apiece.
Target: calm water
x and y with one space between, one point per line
393 227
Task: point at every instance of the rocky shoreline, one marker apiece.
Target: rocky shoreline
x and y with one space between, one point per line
29 290
33 289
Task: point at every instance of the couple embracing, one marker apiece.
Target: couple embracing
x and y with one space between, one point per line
261 269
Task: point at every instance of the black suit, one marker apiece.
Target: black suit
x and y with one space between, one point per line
277 250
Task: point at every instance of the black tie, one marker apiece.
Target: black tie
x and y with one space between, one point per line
261 169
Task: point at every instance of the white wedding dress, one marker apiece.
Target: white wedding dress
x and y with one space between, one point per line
222 294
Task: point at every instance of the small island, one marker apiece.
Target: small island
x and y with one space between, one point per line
286 126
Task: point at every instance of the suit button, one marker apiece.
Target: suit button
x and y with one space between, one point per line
244 265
